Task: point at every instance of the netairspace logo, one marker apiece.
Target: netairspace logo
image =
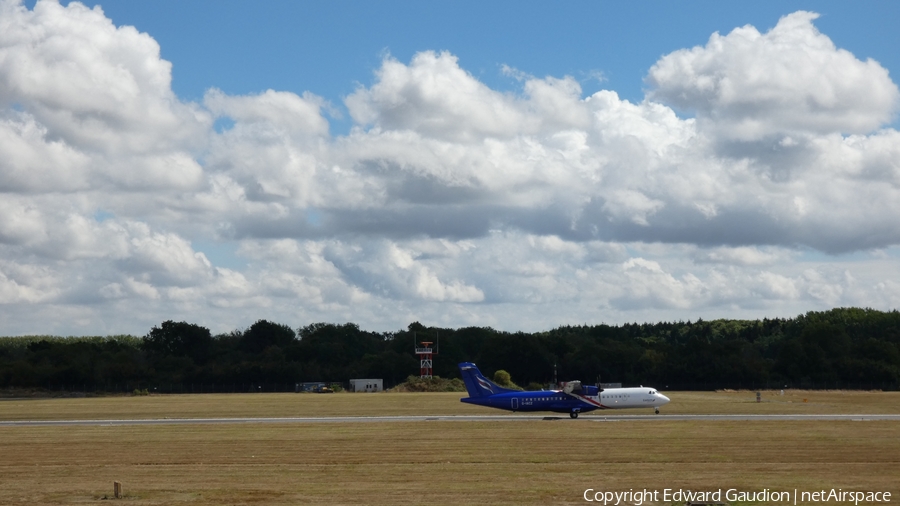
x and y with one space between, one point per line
669 495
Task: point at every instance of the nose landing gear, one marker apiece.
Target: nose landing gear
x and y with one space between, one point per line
657 410
573 414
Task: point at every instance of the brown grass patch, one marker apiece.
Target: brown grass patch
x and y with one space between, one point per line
438 462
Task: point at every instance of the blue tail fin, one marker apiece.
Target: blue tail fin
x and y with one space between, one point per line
476 384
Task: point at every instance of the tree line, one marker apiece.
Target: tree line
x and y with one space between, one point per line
840 348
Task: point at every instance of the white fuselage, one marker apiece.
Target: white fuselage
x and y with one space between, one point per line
635 397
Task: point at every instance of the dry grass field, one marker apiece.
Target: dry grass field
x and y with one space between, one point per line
433 462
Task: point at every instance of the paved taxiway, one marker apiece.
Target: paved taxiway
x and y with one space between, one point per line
456 418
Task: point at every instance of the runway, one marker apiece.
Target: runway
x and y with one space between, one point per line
458 418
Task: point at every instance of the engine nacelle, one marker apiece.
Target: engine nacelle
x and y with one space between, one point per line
591 391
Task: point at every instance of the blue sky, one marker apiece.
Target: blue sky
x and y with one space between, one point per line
519 165
329 48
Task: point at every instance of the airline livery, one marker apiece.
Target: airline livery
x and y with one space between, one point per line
574 398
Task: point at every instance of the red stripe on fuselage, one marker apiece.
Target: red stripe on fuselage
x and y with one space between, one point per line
590 401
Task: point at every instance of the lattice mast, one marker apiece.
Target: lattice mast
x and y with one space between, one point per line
426 358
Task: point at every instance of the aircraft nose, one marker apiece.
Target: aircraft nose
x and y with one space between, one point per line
663 398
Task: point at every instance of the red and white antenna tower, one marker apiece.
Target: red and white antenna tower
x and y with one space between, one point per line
426 360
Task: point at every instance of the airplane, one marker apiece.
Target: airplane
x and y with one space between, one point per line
573 399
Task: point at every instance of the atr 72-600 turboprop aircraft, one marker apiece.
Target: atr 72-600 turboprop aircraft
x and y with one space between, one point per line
572 399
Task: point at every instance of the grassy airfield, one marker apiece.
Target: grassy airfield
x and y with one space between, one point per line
540 462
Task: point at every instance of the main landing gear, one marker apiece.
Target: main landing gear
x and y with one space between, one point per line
573 414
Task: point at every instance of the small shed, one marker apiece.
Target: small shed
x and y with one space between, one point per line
366 385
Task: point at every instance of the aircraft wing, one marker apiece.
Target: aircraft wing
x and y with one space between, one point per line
572 386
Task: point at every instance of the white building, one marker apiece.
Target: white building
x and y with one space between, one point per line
366 385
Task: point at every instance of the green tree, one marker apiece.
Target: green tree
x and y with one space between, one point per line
503 379
264 334
179 339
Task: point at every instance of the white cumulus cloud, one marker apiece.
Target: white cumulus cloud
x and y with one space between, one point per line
447 201
792 79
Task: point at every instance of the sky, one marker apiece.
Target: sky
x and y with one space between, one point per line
518 165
